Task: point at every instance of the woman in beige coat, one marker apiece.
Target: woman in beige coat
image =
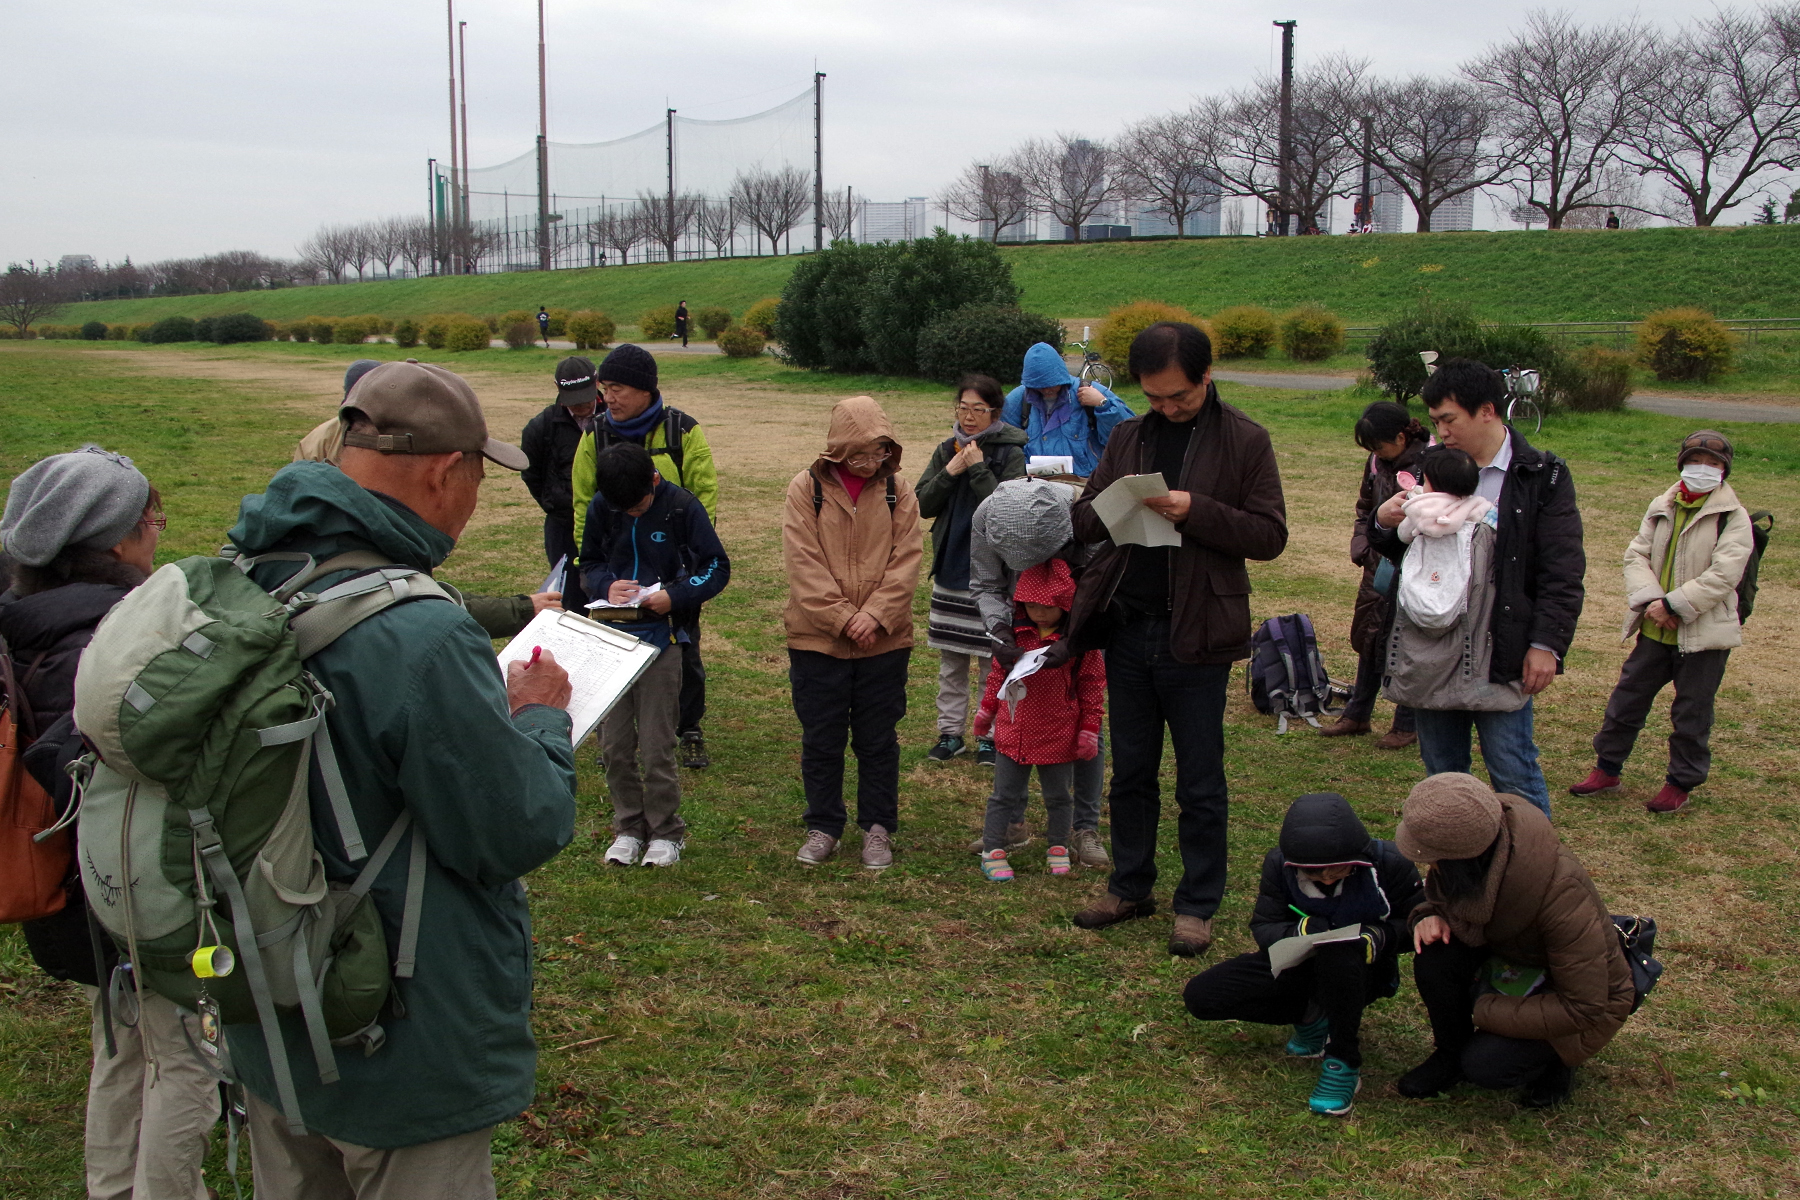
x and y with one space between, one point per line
851 546
1681 577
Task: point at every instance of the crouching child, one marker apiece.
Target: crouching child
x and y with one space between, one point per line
642 530
1326 873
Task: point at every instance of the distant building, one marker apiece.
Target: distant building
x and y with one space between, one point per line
1455 214
1145 223
1391 206
76 262
894 220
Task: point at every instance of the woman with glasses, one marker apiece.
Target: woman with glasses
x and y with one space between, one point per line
981 452
79 531
850 544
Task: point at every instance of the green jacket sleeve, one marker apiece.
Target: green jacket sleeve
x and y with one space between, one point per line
936 484
581 482
983 479
698 475
501 616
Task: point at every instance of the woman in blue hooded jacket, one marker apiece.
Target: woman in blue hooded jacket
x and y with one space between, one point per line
1059 413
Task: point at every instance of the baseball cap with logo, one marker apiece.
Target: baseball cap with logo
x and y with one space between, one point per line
575 381
418 408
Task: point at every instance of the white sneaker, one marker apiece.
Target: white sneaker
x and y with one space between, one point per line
662 853
624 851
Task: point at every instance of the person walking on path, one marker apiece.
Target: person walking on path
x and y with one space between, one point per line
677 443
681 323
80 531
1059 414
543 320
1394 439
1055 725
643 531
1516 958
1173 619
1325 873
981 452
550 441
1682 572
1024 523
425 726
851 550
1538 570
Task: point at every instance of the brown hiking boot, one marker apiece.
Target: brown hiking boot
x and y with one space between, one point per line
1089 850
1191 937
1017 836
1345 727
878 849
1396 739
1108 909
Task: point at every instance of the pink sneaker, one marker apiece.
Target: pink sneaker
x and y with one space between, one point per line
1059 860
995 868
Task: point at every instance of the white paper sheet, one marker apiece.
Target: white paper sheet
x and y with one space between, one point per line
602 663
1050 464
1012 688
643 593
1128 522
1291 952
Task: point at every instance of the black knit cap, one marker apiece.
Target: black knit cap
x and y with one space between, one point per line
1322 830
630 365
1705 441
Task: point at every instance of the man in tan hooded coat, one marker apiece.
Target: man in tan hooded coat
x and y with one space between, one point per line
851 548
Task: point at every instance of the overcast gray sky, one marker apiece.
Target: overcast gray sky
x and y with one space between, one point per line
189 126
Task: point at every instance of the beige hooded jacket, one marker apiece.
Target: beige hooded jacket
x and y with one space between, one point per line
1709 561
844 558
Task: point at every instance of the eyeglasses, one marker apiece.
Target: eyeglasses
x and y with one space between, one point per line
868 460
155 521
974 410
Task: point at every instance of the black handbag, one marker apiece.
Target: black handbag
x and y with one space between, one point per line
1637 937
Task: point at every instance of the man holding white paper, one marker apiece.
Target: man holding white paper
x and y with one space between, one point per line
1173 616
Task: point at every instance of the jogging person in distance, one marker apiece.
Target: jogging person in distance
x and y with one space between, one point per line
1059 414
543 320
550 441
635 413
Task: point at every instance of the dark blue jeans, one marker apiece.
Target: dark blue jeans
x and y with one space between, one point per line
1507 747
1147 689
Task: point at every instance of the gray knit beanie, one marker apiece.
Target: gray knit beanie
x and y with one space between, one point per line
91 497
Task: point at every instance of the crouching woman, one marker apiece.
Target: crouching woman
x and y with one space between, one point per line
1518 962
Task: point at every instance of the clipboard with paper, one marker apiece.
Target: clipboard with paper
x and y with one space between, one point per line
602 663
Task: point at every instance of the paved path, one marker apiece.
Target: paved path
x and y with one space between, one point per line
1297 383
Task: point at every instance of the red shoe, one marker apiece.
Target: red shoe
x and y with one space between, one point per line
1670 799
1596 781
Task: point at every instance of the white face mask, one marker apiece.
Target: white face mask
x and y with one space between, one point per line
1701 478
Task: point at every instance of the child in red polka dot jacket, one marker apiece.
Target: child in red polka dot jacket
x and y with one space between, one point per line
1055 725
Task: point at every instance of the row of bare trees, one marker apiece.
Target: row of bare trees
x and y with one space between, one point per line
1683 124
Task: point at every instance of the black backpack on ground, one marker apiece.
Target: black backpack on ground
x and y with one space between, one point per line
1762 524
1286 676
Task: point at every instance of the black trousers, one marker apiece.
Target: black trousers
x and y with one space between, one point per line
855 703
1445 973
693 683
559 542
1652 666
1335 983
1361 705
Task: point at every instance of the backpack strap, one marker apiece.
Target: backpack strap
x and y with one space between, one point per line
818 494
892 499
337 610
672 440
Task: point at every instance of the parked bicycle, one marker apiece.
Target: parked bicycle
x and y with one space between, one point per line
1093 371
1522 386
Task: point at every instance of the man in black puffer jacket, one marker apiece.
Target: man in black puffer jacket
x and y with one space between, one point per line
1327 873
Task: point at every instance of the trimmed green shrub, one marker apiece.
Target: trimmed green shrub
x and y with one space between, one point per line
1243 331
819 321
1595 380
740 342
517 316
761 316
559 321
591 330
1311 333
94 331
274 330
521 335
141 332
322 329
171 329
467 333
657 324
238 327
203 329
989 338
406 333
1685 343
1394 362
118 333
351 331
1123 324
713 321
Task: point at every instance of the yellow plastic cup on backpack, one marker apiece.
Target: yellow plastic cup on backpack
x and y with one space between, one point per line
213 962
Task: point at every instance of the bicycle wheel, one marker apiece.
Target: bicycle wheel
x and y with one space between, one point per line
1098 374
1522 412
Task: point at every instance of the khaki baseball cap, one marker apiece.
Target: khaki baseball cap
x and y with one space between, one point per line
418 408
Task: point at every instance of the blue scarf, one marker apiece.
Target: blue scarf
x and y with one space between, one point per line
638 428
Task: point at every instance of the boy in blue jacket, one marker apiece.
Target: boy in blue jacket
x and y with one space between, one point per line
1060 414
642 530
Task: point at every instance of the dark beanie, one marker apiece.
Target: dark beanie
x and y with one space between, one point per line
630 365
1708 442
357 370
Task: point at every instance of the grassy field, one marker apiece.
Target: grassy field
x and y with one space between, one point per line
1569 275
741 1026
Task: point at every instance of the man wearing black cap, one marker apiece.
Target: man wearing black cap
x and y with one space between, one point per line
635 413
550 441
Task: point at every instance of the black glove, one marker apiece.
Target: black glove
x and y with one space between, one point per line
1005 653
1059 654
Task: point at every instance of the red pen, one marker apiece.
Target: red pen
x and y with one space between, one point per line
535 652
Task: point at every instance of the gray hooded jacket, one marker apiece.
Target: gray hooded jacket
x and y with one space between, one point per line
1025 522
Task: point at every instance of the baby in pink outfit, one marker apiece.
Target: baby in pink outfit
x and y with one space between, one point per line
1447 500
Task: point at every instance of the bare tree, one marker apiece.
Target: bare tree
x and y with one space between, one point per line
1326 155
717 222
988 195
387 242
1565 96
418 242
1721 111
667 219
29 294
772 202
328 251
838 215
620 230
1067 178
359 247
1435 139
1171 163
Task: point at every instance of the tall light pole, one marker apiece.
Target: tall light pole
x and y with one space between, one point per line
462 56
1368 182
818 160
670 215
543 153
455 218
1287 127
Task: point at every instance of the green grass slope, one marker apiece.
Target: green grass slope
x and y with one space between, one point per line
1747 271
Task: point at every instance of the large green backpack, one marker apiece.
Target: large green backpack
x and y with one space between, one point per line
196 834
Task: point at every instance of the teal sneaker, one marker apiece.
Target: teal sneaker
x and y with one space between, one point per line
1335 1093
1309 1039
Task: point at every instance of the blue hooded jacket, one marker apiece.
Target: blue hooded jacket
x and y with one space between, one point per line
1067 428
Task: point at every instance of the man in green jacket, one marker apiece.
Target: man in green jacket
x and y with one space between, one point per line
423 724
634 412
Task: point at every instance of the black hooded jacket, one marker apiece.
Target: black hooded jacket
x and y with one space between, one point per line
1322 829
